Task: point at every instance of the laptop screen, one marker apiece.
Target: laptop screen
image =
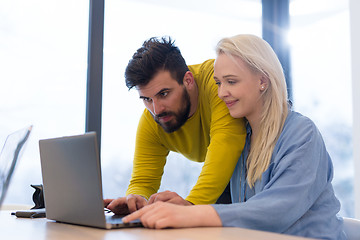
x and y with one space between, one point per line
9 156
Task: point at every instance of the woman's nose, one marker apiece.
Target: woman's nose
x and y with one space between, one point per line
222 92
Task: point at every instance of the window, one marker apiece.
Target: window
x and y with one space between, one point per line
43 63
320 49
43 56
196 27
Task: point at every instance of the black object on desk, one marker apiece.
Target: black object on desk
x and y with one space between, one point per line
32 213
38 211
38 196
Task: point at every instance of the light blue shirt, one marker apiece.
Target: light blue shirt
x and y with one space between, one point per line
295 195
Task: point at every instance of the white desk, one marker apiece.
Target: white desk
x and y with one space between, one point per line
12 227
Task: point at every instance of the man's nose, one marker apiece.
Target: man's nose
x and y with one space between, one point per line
158 107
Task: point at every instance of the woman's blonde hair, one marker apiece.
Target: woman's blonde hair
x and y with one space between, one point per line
261 58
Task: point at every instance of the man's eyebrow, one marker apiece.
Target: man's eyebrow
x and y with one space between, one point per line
161 91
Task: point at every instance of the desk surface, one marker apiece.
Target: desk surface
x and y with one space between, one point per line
12 227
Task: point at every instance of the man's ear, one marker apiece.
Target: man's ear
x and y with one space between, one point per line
188 80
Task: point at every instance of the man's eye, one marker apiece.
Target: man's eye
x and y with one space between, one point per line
164 94
147 99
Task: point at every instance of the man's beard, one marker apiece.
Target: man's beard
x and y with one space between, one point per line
179 118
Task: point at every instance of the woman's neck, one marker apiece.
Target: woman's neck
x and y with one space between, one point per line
255 127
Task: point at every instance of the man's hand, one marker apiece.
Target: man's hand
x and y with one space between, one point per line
125 205
170 197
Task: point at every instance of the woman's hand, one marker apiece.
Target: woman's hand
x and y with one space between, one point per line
167 215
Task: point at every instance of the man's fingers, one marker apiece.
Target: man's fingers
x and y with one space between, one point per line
111 204
114 203
131 203
162 196
179 201
152 199
155 197
140 203
117 206
107 201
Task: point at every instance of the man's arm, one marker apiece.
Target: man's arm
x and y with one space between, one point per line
149 159
227 140
221 158
148 164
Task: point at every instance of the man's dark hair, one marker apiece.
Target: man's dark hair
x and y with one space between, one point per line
156 54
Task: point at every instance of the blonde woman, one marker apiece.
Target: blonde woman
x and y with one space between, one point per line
282 181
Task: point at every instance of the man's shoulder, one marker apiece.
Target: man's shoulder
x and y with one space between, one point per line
147 120
204 75
201 68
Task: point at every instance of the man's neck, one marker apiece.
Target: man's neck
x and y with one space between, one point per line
194 98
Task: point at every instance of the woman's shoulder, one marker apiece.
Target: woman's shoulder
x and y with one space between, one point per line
298 123
299 137
297 130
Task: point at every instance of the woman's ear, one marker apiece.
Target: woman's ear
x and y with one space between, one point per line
264 83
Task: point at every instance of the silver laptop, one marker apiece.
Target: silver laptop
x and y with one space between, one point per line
10 154
72 182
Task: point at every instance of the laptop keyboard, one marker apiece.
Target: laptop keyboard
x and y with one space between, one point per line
114 219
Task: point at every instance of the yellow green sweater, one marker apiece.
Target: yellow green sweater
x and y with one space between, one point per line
211 136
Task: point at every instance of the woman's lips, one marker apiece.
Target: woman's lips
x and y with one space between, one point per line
230 103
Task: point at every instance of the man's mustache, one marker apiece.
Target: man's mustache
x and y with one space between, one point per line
163 114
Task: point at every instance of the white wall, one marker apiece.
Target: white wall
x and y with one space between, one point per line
355 59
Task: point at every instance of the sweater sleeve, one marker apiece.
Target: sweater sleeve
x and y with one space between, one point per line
227 139
149 160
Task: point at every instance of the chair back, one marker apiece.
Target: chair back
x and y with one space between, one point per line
352 228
